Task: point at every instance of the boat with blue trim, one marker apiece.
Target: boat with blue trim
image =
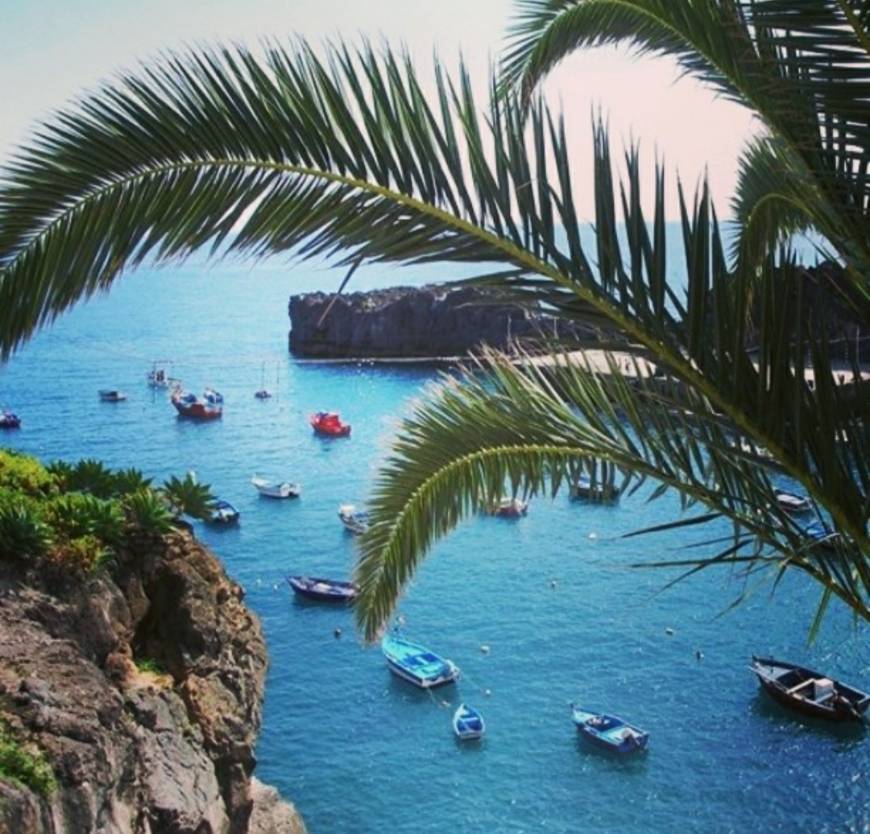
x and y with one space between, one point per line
609 732
355 521
468 723
222 512
416 664
9 419
323 590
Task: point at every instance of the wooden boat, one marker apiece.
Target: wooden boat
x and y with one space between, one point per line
112 395
789 502
608 732
212 397
809 692
510 508
272 489
323 590
416 664
223 512
354 520
468 723
187 405
328 424
9 420
583 488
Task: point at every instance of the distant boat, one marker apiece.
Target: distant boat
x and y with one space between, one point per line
820 535
212 397
224 513
273 489
329 424
789 502
608 732
112 395
417 664
324 590
157 377
510 508
354 520
9 420
263 393
601 490
187 405
468 723
809 692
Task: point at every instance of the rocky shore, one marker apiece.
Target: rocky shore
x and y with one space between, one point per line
142 689
434 321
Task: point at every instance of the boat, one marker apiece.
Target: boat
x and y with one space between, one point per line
416 664
324 590
276 489
818 534
157 377
263 393
809 692
583 488
222 512
329 424
510 508
468 723
354 520
608 732
188 405
213 397
112 395
789 502
9 419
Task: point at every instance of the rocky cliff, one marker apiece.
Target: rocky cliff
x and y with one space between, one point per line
142 690
437 320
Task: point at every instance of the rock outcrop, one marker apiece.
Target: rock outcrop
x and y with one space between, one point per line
434 321
137 752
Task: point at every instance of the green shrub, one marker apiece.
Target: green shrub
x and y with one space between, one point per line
130 480
188 496
147 513
23 533
91 475
150 665
77 514
24 473
24 768
83 554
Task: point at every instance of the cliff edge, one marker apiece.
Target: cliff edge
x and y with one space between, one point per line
141 688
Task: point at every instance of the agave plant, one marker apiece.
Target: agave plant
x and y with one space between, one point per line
87 475
23 533
74 515
147 514
186 496
348 155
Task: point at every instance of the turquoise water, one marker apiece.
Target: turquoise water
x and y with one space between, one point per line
360 751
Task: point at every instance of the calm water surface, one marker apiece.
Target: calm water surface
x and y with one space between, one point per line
359 751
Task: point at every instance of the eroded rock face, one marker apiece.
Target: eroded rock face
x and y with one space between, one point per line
133 752
432 321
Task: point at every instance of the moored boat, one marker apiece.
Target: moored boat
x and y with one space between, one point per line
188 405
808 692
510 508
416 664
354 520
609 732
329 424
112 395
789 502
222 512
212 397
468 723
263 394
9 420
276 489
583 488
818 534
324 590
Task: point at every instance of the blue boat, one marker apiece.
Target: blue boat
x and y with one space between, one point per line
468 723
416 664
608 732
820 535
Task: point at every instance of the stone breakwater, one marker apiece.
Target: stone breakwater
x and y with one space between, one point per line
169 751
433 321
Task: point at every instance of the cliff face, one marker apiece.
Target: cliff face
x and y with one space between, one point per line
136 752
431 321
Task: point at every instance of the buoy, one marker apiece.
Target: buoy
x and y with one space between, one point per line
275 587
593 535
484 648
698 654
669 631
337 632
553 584
487 692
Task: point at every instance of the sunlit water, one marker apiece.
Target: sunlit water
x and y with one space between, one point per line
551 595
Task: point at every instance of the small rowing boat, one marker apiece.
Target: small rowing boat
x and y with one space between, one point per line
468 723
112 395
273 489
9 420
809 692
323 590
328 424
609 732
355 521
222 512
789 502
585 489
510 508
416 664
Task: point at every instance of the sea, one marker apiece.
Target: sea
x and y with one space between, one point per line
538 612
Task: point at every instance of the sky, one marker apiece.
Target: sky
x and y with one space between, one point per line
53 50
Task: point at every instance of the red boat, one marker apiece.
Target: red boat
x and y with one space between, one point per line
188 405
328 423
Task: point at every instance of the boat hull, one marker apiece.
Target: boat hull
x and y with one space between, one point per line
416 664
423 682
609 733
315 588
197 411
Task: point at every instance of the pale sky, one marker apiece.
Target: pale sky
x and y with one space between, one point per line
51 50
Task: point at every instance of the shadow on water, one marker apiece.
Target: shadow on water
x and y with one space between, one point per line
848 733
609 761
410 692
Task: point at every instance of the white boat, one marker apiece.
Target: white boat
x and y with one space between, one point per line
416 664
212 397
468 723
791 503
601 490
510 508
354 520
276 489
112 395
